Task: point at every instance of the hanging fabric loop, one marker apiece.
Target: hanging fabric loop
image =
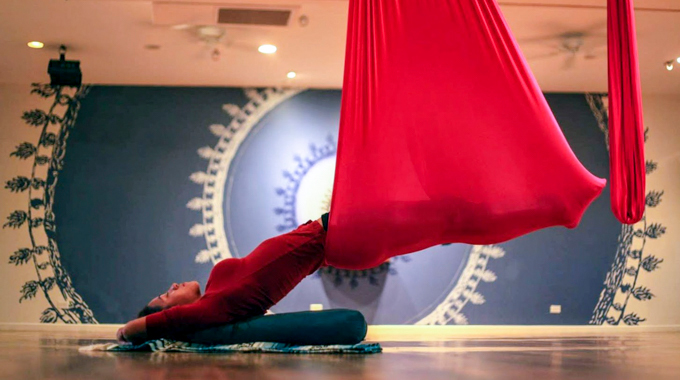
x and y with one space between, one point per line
445 136
626 129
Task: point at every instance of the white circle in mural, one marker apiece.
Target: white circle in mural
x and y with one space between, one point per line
314 193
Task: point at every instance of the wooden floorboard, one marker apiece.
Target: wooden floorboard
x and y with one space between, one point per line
436 354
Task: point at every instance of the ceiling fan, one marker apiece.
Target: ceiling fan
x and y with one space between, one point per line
215 39
572 46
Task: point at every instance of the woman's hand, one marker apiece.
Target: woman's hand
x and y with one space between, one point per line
133 332
120 336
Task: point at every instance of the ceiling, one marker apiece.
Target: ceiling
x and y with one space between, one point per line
111 38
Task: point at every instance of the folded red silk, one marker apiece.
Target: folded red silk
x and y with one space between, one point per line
445 136
626 128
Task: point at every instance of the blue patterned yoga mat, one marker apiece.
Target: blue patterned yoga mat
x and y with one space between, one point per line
166 345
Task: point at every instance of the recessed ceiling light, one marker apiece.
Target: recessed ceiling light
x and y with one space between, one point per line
267 49
291 75
669 65
36 44
678 60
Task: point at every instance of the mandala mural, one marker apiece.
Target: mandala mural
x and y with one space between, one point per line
305 195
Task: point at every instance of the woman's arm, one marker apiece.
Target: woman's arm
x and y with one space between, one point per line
133 331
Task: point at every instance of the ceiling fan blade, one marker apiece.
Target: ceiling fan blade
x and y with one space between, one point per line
241 46
542 56
537 40
569 62
600 25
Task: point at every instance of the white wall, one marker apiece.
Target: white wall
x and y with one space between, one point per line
662 116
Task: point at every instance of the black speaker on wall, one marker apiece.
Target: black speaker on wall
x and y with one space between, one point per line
63 72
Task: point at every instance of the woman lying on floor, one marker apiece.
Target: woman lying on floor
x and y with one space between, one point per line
237 289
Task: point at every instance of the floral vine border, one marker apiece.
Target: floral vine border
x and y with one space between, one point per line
621 282
38 217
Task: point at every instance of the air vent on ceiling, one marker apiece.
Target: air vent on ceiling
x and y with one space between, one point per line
253 16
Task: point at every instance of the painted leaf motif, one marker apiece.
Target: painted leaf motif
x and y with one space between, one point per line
21 256
218 130
631 271
49 316
477 298
196 204
18 184
632 319
651 263
197 230
488 276
642 293
494 251
28 290
460 319
44 90
203 256
16 219
24 151
232 109
35 117
254 95
206 152
36 222
199 177
653 198
617 306
650 166
625 288
655 230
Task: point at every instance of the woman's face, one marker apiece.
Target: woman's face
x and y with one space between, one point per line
178 294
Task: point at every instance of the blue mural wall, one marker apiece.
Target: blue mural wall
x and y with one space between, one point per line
158 184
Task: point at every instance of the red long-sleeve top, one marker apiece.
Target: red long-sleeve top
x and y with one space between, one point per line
241 288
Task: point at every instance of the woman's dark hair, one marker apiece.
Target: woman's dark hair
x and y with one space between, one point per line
149 310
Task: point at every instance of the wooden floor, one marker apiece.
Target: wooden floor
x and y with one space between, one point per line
444 353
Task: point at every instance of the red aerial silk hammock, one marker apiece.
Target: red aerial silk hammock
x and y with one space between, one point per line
445 136
626 129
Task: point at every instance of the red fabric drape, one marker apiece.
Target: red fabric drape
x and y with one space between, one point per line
626 128
445 136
